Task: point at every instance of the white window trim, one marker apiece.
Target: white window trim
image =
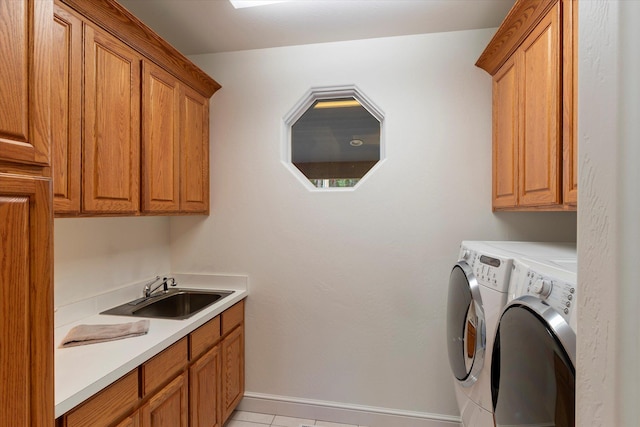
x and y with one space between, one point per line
320 93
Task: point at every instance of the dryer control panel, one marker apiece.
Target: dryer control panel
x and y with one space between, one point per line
560 294
490 270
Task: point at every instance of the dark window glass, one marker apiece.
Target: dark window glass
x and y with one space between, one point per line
335 142
532 379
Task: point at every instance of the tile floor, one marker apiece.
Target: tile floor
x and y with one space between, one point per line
253 419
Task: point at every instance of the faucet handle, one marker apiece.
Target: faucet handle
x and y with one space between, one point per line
147 287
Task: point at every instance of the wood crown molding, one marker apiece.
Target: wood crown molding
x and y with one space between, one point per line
521 19
117 20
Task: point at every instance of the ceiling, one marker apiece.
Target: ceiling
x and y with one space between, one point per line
212 26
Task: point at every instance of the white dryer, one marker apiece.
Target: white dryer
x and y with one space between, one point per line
533 364
478 286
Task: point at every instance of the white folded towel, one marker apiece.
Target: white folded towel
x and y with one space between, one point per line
91 334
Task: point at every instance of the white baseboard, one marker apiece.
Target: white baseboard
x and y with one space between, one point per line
369 416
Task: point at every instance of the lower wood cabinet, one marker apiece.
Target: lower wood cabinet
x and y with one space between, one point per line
132 421
108 406
232 371
196 382
168 407
204 390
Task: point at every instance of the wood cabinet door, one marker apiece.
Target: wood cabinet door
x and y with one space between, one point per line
232 371
26 306
66 101
505 136
25 40
540 155
194 160
570 101
132 421
111 145
204 393
160 140
168 407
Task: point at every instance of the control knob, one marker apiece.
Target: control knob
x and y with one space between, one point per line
542 287
465 255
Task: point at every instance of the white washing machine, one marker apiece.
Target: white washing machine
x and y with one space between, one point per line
534 351
478 291
478 287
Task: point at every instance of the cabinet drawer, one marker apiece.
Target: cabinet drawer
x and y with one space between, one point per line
107 406
232 317
164 366
204 337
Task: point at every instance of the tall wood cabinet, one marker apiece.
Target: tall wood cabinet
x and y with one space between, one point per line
26 306
131 114
531 59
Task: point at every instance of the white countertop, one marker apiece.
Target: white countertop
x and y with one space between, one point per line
82 371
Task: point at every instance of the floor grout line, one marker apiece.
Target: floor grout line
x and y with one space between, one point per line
255 419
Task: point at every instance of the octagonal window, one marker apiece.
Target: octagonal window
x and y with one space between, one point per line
334 138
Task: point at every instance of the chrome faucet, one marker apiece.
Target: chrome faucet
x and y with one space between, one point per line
148 290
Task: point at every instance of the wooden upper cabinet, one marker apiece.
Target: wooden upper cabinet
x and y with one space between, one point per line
540 154
505 136
570 102
130 130
66 102
194 160
531 60
111 145
175 145
25 78
160 140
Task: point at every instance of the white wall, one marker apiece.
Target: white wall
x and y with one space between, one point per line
608 376
348 290
95 255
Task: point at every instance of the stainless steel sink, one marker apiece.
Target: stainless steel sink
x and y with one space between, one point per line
175 304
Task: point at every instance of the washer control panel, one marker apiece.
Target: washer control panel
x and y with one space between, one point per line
490 270
559 294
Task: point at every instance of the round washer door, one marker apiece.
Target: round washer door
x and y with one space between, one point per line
465 325
533 366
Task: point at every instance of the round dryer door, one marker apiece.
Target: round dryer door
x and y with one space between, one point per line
465 325
532 370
